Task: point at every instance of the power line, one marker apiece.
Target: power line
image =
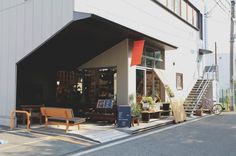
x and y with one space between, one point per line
225 6
228 2
212 9
217 2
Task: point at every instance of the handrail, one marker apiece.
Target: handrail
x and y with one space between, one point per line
12 118
204 85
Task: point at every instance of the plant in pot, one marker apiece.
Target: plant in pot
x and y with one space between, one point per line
136 109
148 103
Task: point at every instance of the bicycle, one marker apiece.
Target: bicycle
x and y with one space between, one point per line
209 105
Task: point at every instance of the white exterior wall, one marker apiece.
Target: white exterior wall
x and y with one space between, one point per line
24 25
149 18
115 56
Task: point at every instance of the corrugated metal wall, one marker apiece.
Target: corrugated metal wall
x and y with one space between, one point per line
24 25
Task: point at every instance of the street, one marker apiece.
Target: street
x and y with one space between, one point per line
211 136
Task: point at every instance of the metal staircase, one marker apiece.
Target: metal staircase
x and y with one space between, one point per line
197 93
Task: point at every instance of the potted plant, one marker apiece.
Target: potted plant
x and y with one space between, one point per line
136 109
148 103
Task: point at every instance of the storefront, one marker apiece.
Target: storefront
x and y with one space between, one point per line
87 62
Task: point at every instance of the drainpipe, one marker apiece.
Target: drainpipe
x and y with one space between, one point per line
205 25
205 33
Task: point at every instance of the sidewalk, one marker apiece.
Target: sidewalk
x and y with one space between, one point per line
101 132
54 140
21 142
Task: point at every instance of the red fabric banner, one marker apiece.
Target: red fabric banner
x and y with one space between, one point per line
137 52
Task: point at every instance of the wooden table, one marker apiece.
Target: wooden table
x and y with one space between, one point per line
146 115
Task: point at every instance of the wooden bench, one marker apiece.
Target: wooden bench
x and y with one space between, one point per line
60 116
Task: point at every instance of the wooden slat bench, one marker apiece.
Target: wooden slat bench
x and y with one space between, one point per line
60 116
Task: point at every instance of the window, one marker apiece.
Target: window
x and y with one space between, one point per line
153 58
171 5
140 82
184 10
99 83
178 7
179 81
163 2
194 18
189 14
147 83
200 27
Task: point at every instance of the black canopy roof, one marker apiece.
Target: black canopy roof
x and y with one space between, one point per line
82 39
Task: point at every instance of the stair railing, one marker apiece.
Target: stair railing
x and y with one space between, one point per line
204 85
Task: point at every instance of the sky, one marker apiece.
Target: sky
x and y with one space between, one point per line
219 31
218 25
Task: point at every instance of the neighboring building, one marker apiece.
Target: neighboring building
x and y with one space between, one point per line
44 52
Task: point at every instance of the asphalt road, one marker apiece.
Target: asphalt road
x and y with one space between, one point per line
212 136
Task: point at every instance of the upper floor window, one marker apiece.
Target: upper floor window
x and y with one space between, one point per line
164 2
183 9
178 7
153 58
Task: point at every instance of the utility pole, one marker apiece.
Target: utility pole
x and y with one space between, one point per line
232 56
216 64
216 75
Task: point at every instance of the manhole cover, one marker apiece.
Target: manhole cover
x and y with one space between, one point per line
3 142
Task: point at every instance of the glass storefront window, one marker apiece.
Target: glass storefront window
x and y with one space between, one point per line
99 84
140 82
149 82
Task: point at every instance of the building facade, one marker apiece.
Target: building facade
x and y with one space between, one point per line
175 22
98 36
24 26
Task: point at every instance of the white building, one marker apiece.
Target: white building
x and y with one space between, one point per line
177 24
39 38
24 26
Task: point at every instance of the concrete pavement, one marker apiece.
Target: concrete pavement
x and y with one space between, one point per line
20 142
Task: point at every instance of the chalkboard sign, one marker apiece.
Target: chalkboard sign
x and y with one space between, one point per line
124 116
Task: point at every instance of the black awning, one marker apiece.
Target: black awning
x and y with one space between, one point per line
122 30
84 38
